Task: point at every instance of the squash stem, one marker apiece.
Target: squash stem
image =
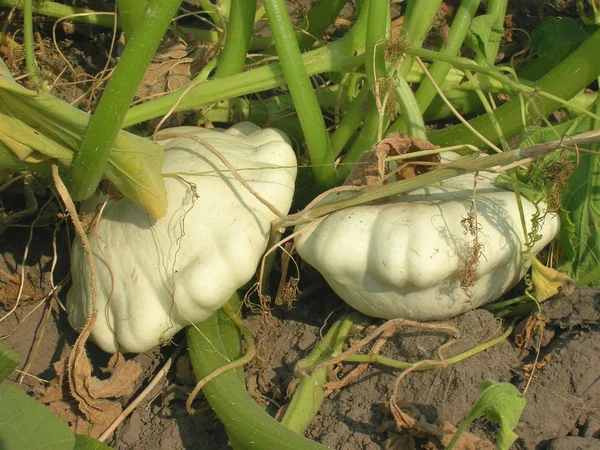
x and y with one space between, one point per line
310 393
418 20
335 57
131 13
32 67
581 68
303 95
89 163
248 426
439 69
237 40
384 360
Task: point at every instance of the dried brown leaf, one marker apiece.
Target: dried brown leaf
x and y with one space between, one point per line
372 168
408 419
169 70
95 405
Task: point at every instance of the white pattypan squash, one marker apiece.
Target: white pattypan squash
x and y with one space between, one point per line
157 276
403 257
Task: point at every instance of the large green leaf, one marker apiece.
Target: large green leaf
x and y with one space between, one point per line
9 361
26 424
83 442
555 38
582 202
501 403
485 35
579 236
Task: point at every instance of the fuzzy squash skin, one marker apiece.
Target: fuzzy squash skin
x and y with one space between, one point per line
402 258
157 276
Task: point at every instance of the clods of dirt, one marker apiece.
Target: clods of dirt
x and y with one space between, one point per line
563 392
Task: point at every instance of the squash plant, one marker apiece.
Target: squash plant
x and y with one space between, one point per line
379 83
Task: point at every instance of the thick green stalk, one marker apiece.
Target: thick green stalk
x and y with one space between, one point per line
57 10
322 13
350 122
90 161
439 69
310 392
301 90
417 22
415 126
237 39
364 141
377 77
211 10
460 167
131 13
32 67
338 56
374 120
580 68
246 423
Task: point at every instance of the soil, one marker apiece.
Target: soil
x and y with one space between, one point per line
558 371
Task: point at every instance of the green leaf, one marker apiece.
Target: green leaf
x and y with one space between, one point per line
54 128
134 167
484 33
556 38
501 403
565 239
26 424
538 135
9 361
83 442
582 201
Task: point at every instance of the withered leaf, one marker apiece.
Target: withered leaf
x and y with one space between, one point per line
169 70
95 404
408 418
372 168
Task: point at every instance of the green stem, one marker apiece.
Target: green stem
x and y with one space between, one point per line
131 13
415 126
377 31
32 67
460 167
301 90
209 8
309 393
350 122
57 10
417 22
374 118
104 125
394 363
335 57
503 304
581 68
365 140
439 69
322 13
237 40
246 423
